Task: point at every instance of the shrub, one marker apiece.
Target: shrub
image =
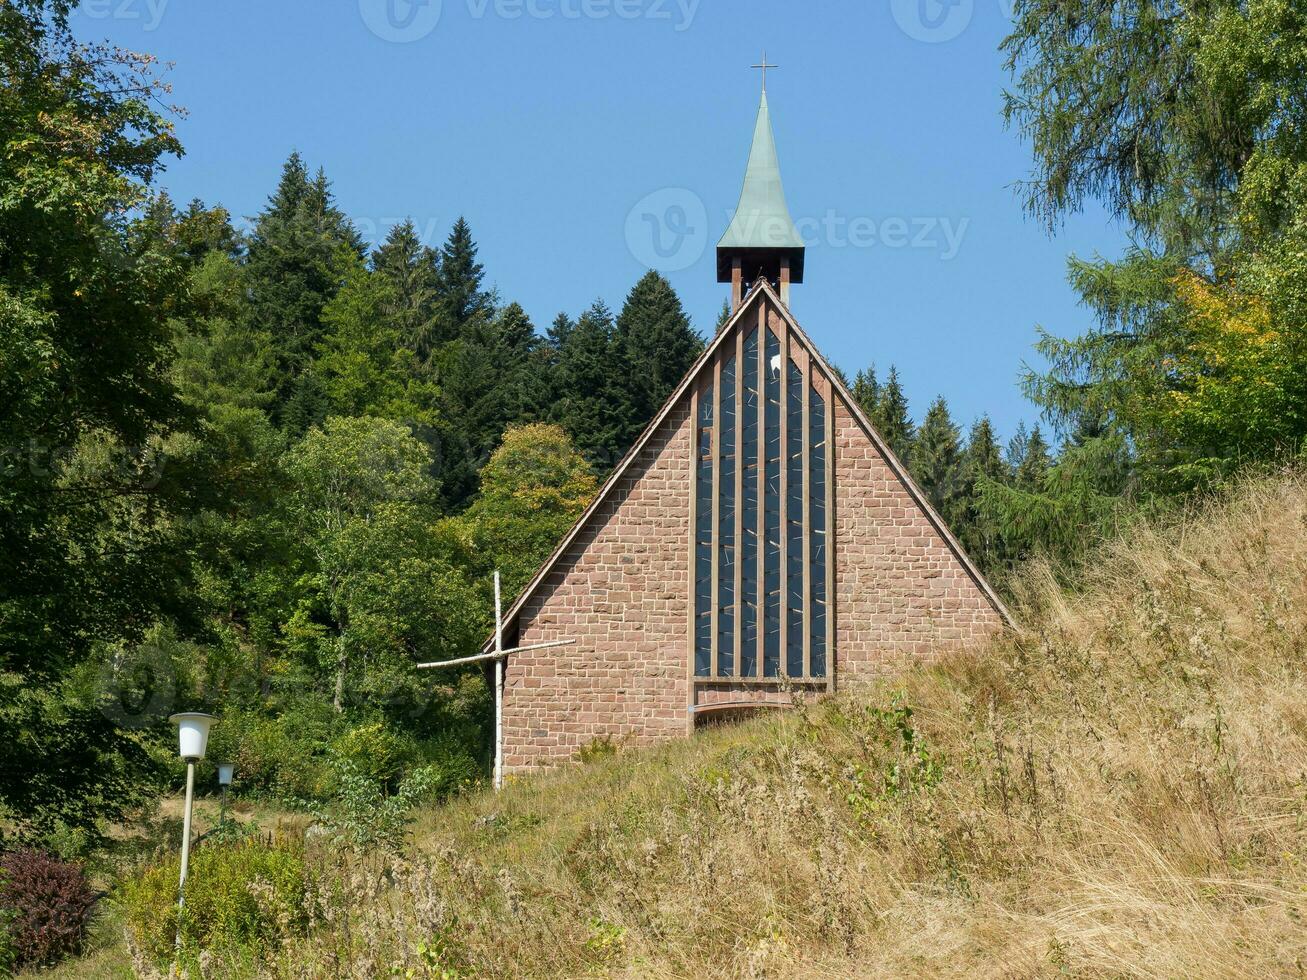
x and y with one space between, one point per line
46 903
363 816
280 756
377 752
602 747
241 898
8 955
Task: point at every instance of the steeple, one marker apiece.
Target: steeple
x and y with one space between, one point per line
761 240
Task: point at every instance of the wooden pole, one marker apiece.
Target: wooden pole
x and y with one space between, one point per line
494 655
499 688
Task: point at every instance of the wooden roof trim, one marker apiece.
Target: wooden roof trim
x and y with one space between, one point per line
900 471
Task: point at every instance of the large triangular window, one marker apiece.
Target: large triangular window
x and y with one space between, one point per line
762 507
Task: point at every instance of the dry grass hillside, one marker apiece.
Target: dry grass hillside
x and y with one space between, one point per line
1121 790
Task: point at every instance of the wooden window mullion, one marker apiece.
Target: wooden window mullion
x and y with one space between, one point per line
783 398
806 427
760 633
738 563
715 669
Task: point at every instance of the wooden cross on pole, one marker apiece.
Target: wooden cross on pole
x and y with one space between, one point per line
499 655
764 66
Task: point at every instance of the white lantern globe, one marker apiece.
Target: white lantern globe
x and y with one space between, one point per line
192 733
225 771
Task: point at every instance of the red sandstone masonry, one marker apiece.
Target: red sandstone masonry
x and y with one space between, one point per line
621 590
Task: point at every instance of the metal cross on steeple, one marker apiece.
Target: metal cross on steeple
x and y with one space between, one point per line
764 66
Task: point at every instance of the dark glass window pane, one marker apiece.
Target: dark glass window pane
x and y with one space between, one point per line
771 579
703 535
817 529
748 462
726 523
794 521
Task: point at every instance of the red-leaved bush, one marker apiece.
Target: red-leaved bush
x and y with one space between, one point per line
48 902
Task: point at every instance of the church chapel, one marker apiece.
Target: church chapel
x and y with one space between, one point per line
759 539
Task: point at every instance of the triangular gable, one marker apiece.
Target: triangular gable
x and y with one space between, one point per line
763 288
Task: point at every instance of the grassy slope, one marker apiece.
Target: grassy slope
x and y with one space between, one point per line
1121 790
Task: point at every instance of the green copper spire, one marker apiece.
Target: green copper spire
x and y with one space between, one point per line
762 230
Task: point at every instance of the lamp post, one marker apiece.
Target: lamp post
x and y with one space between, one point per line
225 770
192 739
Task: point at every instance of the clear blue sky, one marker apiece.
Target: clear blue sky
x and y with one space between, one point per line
569 131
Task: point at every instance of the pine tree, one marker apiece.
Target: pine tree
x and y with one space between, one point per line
866 392
461 297
202 230
724 316
659 346
413 271
300 253
892 420
494 378
1035 461
560 330
592 388
364 364
1016 447
981 462
937 460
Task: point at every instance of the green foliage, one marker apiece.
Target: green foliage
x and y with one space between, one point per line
595 404
866 391
411 272
375 752
302 250
897 762
462 300
602 747
365 365
240 898
981 461
533 489
659 345
279 755
8 954
87 501
362 816
384 593
1188 124
937 461
495 376
889 414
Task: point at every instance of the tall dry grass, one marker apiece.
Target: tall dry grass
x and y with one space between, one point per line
1119 790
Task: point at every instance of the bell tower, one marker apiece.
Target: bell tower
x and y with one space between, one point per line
761 241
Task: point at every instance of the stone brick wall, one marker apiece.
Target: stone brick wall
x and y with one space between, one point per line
622 592
901 593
